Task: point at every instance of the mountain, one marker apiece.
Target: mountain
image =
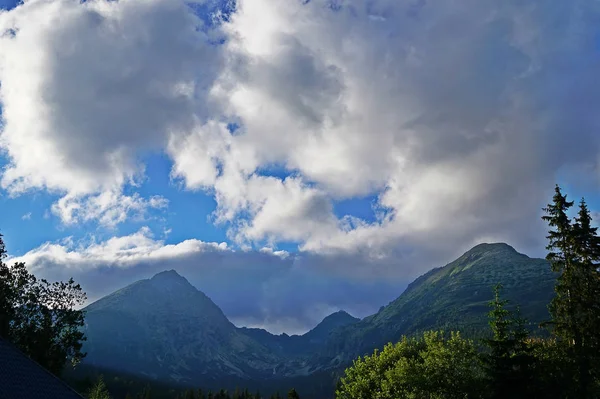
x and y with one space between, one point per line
298 345
321 333
165 328
454 296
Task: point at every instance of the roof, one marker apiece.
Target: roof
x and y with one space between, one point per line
21 377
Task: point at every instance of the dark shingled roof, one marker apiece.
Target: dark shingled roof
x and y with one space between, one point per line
22 378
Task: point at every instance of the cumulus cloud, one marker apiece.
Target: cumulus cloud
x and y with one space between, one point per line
457 116
88 87
596 218
109 207
271 289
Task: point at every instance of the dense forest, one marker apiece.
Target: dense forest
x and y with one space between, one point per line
505 360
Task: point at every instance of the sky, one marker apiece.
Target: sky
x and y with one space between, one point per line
290 158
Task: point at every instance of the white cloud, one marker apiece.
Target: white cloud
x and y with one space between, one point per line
125 251
26 216
596 218
88 87
274 289
458 115
108 208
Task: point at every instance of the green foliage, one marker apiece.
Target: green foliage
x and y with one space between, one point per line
292 394
40 317
431 366
99 390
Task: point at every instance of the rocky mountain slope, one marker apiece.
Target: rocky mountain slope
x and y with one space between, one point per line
167 329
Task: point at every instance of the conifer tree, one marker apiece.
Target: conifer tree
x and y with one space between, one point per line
587 249
509 363
292 394
99 390
562 259
574 254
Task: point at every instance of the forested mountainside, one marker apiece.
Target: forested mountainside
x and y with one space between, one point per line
454 296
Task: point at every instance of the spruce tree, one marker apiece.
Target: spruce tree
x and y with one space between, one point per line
574 251
509 363
587 249
562 259
99 390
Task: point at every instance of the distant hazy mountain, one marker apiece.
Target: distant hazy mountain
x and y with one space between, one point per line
299 345
455 296
165 328
321 333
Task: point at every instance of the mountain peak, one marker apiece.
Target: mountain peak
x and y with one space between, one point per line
168 274
486 250
165 290
496 246
332 322
169 278
340 315
166 328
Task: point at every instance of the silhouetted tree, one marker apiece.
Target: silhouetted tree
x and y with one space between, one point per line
574 253
40 317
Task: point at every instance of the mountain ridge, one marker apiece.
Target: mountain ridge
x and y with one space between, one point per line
454 296
198 341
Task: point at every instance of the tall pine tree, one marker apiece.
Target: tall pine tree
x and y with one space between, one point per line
509 363
574 251
587 250
562 259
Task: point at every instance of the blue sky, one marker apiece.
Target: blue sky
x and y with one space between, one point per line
345 149
8 4
27 220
